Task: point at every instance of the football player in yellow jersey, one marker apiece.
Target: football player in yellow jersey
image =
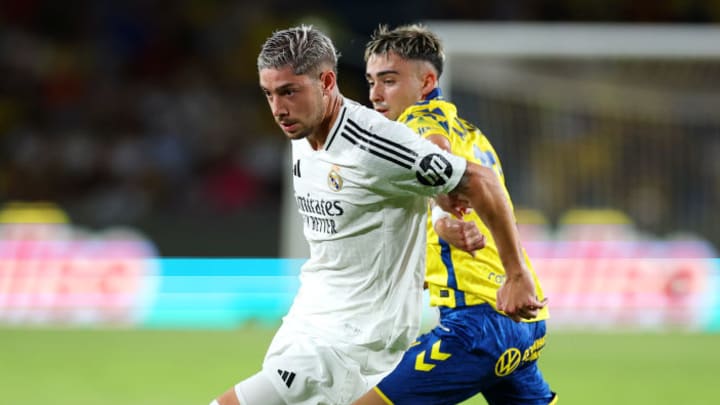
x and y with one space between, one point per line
476 348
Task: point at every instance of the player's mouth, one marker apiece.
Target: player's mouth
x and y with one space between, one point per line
288 126
382 110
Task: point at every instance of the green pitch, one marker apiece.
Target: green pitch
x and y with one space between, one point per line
118 367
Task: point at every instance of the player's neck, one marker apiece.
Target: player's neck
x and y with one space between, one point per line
317 140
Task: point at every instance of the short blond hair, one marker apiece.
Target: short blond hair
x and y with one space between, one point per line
304 48
413 42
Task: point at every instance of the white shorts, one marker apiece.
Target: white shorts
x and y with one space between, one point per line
311 370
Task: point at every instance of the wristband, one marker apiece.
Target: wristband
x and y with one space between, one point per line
437 214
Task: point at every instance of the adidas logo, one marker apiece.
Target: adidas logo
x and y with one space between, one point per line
287 376
296 168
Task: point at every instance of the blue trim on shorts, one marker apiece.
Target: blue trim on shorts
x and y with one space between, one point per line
445 254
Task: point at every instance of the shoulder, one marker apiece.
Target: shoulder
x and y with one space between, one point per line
433 116
364 120
436 109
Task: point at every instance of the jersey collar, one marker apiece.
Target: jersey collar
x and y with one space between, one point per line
435 94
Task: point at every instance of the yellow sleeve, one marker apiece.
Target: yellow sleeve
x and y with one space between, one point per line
424 124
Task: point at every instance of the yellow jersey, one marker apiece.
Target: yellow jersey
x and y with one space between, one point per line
455 278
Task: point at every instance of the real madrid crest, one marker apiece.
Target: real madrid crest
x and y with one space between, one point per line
335 182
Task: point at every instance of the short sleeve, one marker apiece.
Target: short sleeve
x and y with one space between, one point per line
405 163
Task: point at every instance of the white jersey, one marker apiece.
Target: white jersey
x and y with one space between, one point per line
363 202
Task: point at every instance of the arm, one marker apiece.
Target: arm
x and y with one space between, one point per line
452 204
482 188
464 235
461 234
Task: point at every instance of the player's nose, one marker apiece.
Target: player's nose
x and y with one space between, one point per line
278 108
375 94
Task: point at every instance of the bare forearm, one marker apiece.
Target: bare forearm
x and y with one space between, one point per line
483 189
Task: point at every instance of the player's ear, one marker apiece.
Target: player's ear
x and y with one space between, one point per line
430 81
328 81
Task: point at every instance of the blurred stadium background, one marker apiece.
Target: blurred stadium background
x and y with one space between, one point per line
148 249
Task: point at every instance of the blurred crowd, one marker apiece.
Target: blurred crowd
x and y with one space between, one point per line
118 110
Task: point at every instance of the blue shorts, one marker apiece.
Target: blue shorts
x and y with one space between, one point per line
473 350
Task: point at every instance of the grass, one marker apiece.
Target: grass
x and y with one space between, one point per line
152 367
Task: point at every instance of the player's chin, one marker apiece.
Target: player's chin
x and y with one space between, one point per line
295 134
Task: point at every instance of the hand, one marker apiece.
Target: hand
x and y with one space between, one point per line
516 297
453 204
464 235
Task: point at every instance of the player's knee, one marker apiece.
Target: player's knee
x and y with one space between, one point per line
373 397
227 398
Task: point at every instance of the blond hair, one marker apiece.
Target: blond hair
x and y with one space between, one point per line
304 48
413 42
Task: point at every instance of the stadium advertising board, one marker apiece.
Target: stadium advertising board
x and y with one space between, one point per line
223 293
53 273
628 285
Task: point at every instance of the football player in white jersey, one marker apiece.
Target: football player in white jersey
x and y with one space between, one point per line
361 184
